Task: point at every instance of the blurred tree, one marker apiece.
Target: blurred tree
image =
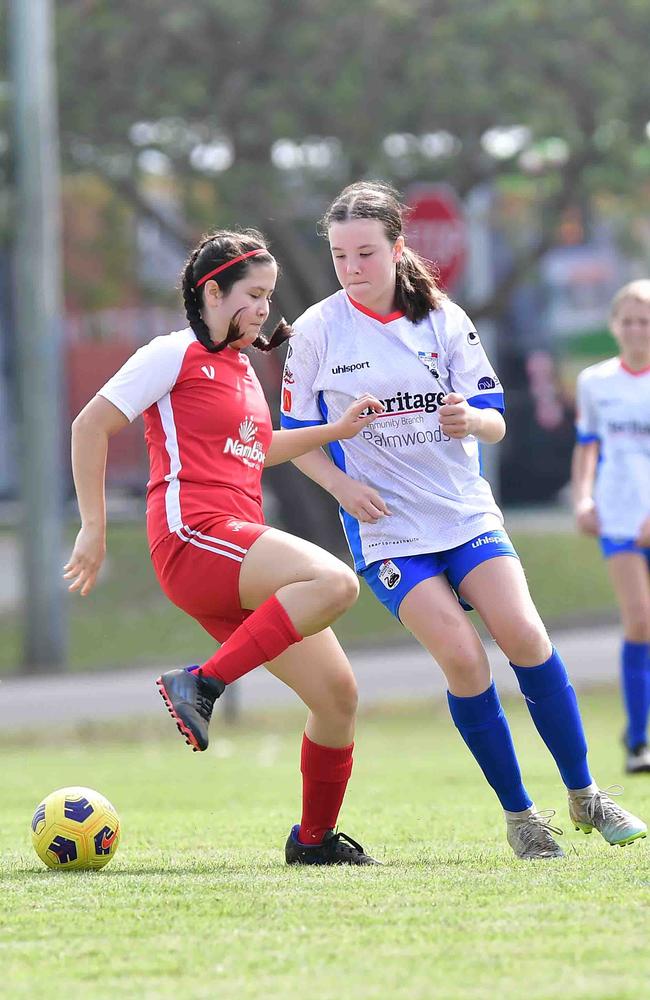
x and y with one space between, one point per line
284 101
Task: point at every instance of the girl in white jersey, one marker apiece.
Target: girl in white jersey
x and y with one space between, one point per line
611 493
420 520
266 596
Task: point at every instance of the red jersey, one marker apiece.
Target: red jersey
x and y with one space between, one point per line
207 428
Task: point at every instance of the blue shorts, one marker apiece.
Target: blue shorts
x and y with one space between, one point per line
392 579
612 546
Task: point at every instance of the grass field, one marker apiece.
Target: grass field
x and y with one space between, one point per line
199 904
566 575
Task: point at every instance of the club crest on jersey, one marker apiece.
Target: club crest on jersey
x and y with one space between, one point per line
247 448
430 360
473 338
389 574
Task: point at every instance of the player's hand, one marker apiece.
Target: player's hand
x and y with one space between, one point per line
587 517
356 417
361 501
643 538
457 418
87 557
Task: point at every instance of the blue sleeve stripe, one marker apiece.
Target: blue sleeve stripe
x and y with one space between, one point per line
582 438
290 423
488 401
350 524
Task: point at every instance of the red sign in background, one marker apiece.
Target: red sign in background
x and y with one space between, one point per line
436 229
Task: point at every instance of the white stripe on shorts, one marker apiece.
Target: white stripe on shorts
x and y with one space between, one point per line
209 548
210 538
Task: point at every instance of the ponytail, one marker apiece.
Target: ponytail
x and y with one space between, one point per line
416 288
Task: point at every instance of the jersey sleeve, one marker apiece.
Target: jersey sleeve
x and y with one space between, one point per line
587 413
470 370
300 399
146 377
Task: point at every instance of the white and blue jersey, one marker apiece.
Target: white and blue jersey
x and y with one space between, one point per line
613 405
431 483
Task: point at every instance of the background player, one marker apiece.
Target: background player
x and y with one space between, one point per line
421 522
611 493
266 596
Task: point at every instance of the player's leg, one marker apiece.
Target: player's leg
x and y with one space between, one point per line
291 587
432 613
320 673
497 588
630 576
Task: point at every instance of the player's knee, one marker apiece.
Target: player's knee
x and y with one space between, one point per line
527 643
345 696
637 626
339 587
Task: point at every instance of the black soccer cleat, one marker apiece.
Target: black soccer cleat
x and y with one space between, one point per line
190 698
336 849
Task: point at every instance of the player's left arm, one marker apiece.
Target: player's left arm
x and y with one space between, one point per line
458 419
475 405
289 444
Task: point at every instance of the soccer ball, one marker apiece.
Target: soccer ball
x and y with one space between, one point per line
75 828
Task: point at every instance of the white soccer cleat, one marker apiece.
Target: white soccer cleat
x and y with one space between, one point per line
530 835
597 810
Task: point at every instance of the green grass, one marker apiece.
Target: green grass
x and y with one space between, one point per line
127 620
198 903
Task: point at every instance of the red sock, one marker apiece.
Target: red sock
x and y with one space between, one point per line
325 775
263 636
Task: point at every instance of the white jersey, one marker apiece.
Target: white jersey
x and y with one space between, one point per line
614 409
431 483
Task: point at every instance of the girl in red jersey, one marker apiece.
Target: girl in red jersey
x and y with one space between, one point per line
266 596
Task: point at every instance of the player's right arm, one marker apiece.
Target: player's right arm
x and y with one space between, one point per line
583 474
300 408
98 421
361 501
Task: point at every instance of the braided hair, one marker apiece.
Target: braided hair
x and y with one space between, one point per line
416 288
215 250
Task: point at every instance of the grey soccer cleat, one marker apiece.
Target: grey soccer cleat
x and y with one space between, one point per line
597 810
530 835
637 760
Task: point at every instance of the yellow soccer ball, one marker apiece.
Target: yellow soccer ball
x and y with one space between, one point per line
75 828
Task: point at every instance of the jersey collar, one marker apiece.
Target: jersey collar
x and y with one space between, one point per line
633 371
398 314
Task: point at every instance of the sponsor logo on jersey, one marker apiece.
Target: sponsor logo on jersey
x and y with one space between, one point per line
208 370
487 382
389 574
473 338
354 367
288 377
408 439
248 449
409 402
634 427
286 400
430 360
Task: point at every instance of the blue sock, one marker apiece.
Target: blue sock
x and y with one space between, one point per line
553 707
635 679
484 727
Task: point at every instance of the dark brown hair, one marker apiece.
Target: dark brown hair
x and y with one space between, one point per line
212 252
416 290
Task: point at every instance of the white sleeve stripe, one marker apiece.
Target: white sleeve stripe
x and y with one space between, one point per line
173 491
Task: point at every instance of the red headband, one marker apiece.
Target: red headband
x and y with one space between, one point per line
229 263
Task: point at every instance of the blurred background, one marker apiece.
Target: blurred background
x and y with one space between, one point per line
517 131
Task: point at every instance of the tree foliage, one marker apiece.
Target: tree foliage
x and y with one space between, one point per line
334 80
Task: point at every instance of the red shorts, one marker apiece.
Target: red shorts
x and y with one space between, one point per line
198 570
